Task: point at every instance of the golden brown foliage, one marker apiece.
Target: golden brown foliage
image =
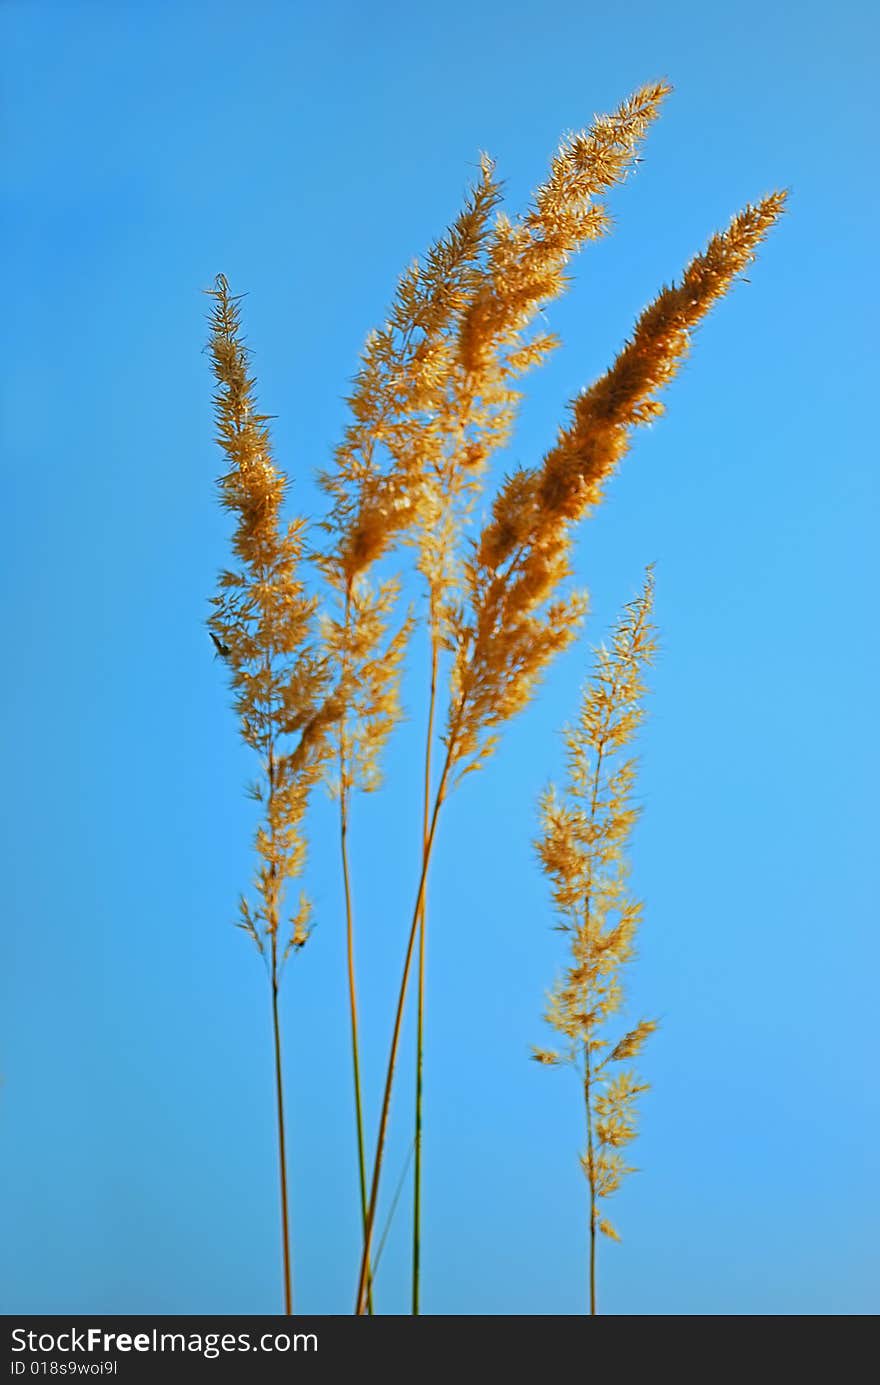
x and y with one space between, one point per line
582 851
506 632
374 482
263 625
522 271
369 667
435 393
434 398
439 432
506 619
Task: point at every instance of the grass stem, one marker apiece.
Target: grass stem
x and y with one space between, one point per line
395 1037
420 1021
282 1150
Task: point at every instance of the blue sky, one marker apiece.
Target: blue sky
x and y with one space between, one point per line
309 152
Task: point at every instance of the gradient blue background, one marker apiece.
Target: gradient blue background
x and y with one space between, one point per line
309 153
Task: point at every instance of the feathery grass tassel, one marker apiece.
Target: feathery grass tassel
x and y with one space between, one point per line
585 833
262 625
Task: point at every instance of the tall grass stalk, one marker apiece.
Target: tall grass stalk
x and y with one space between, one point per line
420 1016
282 1148
582 848
262 626
511 624
344 797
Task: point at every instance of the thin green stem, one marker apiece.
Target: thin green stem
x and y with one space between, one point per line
274 978
349 945
588 1096
420 1022
391 1210
588 1093
395 1037
353 1010
282 1151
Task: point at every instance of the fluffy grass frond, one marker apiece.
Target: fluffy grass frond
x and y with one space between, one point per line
370 663
375 481
522 271
512 622
585 832
263 626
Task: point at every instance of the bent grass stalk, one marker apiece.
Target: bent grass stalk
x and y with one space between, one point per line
511 624
435 392
522 270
